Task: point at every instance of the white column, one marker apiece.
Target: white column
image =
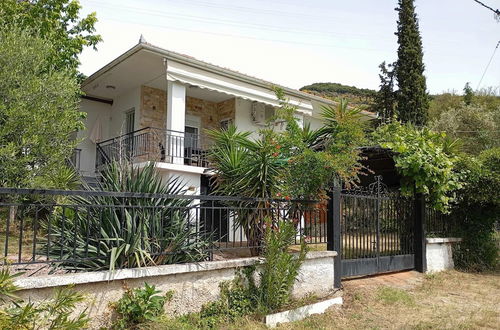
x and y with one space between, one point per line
176 119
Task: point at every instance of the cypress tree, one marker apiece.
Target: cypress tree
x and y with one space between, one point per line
412 97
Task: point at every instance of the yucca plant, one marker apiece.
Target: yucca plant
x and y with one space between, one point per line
246 168
104 232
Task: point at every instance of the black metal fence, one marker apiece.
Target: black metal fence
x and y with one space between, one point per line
439 224
84 230
154 144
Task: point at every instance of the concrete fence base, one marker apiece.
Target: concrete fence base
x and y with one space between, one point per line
193 284
439 253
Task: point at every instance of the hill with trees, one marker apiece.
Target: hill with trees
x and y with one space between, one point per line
356 96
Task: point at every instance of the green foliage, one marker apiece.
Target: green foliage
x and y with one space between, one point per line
412 98
385 99
245 295
425 160
468 94
293 163
392 296
125 236
39 111
56 313
281 268
477 128
57 21
334 91
477 211
474 118
140 305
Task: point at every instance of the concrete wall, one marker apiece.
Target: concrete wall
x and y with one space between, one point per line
439 254
193 284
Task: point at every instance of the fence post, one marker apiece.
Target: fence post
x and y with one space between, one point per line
419 234
334 235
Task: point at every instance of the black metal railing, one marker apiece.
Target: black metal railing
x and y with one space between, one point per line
439 224
89 230
154 144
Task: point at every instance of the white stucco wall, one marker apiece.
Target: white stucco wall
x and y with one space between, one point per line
243 119
95 111
193 284
112 118
315 123
439 254
121 104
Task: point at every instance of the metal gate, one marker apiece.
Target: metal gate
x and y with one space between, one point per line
377 230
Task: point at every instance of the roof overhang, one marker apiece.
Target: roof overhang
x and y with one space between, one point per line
189 70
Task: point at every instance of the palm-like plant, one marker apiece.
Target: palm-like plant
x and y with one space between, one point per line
106 232
246 168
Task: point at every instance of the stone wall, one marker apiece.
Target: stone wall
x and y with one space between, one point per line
153 109
193 284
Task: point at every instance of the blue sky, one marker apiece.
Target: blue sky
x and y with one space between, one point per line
295 43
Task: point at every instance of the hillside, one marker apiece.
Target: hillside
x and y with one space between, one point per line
356 96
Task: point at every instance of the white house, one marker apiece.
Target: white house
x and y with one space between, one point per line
151 104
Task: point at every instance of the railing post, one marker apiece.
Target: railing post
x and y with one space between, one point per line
334 242
419 234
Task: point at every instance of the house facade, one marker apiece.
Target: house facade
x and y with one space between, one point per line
154 105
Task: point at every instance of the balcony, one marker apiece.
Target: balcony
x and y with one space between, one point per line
153 144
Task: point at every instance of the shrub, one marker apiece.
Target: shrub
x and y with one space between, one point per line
477 212
55 313
140 305
110 232
425 160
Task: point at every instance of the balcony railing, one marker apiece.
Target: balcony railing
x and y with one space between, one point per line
153 144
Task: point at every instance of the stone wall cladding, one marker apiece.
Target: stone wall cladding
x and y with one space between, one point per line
153 112
193 284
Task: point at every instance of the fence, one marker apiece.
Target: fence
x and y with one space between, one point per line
153 144
439 224
91 230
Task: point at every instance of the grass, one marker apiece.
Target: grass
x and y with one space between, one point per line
449 300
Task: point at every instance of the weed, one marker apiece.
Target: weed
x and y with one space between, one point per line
390 295
140 305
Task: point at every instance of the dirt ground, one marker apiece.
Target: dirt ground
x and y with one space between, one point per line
409 300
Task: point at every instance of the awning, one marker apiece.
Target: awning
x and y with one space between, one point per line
215 82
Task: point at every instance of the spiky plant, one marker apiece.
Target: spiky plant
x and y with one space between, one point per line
105 232
246 168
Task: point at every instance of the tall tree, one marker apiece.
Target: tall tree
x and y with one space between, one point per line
38 111
385 99
468 94
57 21
412 97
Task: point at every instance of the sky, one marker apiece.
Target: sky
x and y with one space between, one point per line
299 42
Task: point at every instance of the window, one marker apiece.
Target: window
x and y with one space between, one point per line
129 121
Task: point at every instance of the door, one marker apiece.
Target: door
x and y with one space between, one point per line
129 133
